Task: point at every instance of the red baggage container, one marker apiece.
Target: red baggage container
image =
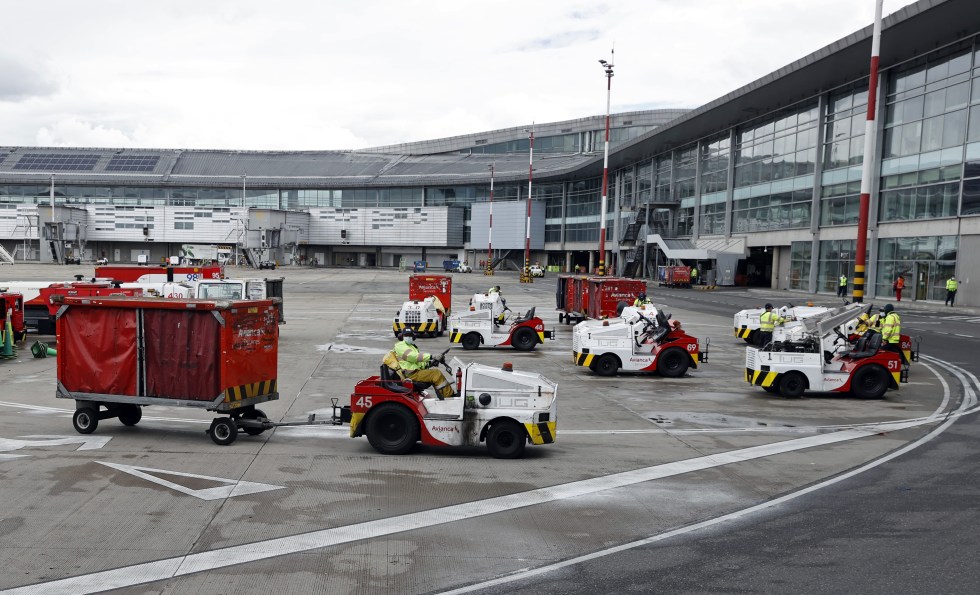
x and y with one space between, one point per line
423 286
121 353
605 294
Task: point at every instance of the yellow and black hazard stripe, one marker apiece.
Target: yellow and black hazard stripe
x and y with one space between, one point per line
742 332
419 327
583 359
696 357
455 336
355 424
250 391
761 377
542 432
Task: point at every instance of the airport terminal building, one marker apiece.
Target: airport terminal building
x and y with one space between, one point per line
759 187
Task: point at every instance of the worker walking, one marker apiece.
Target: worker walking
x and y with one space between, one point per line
951 286
694 275
767 323
641 300
842 288
416 365
891 331
898 286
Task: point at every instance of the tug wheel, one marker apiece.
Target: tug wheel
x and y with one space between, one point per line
606 365
524 339
392 429
471 341
506 440
673 363
792 384
870 382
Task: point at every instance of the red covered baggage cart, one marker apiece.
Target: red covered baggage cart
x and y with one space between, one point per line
119 354
607 293
440 286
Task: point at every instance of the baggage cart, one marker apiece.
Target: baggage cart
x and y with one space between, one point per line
117 355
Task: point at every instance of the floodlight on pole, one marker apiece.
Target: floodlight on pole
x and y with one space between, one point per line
608 68
526 271
489 269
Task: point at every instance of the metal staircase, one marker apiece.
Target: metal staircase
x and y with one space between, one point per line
634 262
5 257
637 221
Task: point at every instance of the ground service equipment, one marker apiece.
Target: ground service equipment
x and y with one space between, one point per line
480 327
640 341
580 297
747 325
502 407
158 273
428 308
790 367
12 327
119 354
674 276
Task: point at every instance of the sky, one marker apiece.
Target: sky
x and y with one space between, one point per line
329 75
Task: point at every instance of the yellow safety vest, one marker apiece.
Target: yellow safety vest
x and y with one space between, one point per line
638 302
409 357
843 281
891 328
769 320
952 284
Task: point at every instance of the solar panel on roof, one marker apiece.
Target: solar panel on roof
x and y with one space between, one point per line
133 163
60 162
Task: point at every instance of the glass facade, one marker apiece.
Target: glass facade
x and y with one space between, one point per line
925 131
836 259
714 185
684 187
843 157
799 266
925 262
774 166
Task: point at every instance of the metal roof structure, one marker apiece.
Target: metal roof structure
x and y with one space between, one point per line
907 34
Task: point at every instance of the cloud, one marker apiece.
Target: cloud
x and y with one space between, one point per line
75 132
23 77
561 40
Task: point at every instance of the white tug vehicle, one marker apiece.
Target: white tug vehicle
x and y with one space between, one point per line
747 323
487 323
641 340
815 354
427 317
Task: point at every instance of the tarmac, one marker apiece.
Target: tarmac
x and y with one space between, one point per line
159 507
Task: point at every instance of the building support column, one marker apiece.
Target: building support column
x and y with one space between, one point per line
591 261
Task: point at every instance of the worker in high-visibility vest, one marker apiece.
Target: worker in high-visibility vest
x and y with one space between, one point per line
641 300
951 286
891 331
842 287
767 323
417 366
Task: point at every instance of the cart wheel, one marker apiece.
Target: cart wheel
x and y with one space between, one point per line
471 341
506 440
85 420
524 339
606 365
792 384
254 414
392 429
223 431
870 382
130 415
673 362
561 317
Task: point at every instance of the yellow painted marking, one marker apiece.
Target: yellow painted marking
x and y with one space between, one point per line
355 421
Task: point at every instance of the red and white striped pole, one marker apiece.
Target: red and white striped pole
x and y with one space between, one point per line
867 171
489 270
608 67
526 274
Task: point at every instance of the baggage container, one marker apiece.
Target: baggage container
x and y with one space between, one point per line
674 276
440 286
119 354
606 294
158 273
450 265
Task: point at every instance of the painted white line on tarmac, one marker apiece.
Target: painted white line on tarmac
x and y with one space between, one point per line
230 556
526 574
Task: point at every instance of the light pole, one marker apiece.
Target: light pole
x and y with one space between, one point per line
526 272
489 270
608 68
